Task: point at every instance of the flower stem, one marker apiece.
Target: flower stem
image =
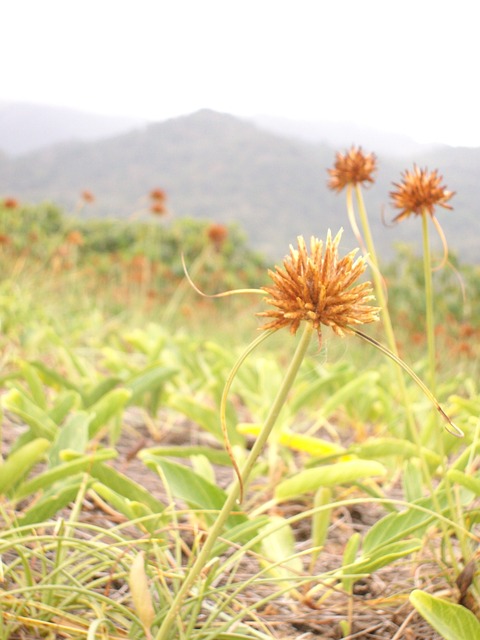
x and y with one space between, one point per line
429 320
377 278
216 530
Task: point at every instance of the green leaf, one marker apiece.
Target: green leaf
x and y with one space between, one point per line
396 526
129 508
19 463
375 448
278 546
328 476
451 621
62 472
35 417
202 415
150 380
125 486
348 391
54 379
191 487
52 502
469 482
64 403
109 405
216 456
35 384
383 556
73 435
94 394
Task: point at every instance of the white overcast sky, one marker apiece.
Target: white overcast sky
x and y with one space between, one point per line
410 66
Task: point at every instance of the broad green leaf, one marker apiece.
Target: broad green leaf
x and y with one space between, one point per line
35 417
313 390
451 621
202 415
278 546
52 502
414 520
125 486
412 479
109 405
54 379
383 556
191 488
469 482
321 518
348 391
64 403
73 435
129 508
35 385
63 472
328 476
216 456
19 463
375 448
349 555
150 380
97 392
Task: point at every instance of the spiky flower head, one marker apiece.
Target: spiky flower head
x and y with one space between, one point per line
317 288
353 167
419 192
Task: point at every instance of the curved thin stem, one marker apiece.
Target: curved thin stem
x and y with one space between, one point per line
223 403
454 430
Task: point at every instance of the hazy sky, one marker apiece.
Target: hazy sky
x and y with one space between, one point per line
409 66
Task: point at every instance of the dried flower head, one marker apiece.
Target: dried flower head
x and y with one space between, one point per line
10 203
217 234
87 196
317 288
353 167
158 194
158 208
75 238
418 192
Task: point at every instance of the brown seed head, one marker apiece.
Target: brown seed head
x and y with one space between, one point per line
158 208
217 234
10 203
75 238
317 288
87 196
158 194
418 192
353 167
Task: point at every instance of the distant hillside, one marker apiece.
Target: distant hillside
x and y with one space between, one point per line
343 134
28 127
217 166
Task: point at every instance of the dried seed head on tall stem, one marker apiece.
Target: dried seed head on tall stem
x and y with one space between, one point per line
352 168
317 288
420 191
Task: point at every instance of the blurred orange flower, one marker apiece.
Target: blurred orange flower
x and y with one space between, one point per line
419 192
353 167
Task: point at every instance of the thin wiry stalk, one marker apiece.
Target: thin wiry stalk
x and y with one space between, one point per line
451 427
429 319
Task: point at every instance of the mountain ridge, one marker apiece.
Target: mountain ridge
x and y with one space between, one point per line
221 167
